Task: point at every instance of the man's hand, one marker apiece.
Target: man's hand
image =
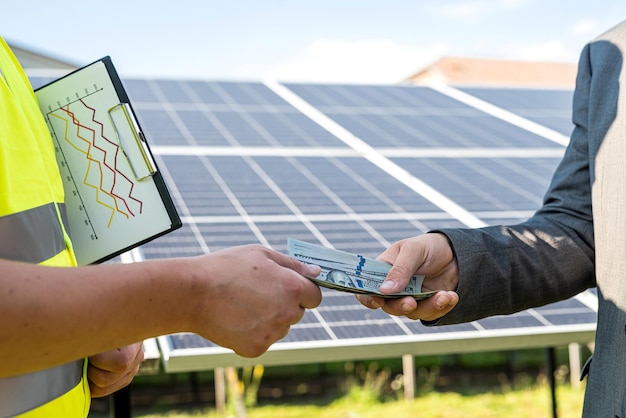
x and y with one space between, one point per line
429 255
111 371
250 296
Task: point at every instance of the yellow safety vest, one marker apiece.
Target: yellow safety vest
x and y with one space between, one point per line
32 229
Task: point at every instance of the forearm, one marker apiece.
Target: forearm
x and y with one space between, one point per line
244 298
51 315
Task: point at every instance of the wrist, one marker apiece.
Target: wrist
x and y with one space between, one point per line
171 289
450 267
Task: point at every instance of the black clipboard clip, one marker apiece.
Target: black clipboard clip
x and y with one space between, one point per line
132 141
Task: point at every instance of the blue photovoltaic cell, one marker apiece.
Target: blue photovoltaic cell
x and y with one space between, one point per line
223 235
339 185
518 320
369 96
201 193
275 232
487 184
549 107
291 129
202 130
557 100
160 129
404 116
267 122
434 131
243 93
180 243
141 91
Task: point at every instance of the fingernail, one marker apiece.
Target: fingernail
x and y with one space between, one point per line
441 302
405 308
388 285
312 270
374 304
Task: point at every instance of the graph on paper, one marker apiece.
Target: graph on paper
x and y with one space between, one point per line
114 196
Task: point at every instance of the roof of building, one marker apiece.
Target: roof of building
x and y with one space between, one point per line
32 59
494 72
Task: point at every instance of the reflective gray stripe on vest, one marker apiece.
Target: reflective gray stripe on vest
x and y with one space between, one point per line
22 393
33 235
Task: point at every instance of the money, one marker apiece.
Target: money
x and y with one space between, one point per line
351 272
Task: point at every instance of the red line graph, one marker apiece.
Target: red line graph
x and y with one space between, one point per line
93 143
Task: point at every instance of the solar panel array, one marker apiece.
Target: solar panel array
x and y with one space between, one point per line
355 167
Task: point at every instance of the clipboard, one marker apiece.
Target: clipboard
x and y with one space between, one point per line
115 196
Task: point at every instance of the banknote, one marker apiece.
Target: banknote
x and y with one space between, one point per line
349 272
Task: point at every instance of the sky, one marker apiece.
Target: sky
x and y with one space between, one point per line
327 41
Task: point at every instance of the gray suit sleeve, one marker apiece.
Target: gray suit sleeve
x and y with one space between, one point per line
505 269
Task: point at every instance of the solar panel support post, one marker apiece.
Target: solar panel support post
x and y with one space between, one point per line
551 365
574 364
408 376
220 390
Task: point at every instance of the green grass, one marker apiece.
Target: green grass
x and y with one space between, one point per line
529 402
491 385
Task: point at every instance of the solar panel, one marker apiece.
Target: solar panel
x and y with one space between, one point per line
355 167
413 116
549 107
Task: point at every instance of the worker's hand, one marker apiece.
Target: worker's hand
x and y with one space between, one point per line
429 255
110 371
252 296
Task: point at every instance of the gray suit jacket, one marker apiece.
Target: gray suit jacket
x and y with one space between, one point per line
554 255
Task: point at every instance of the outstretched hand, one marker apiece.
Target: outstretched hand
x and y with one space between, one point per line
253 296
429 255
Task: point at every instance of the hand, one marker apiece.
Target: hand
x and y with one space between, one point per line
430 255
110 371
254 296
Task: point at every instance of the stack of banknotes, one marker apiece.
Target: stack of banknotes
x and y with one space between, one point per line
351 272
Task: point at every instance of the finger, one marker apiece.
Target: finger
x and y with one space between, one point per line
293 318
311 296
434 307
104 369
408 260
400 306
397 279
121 381
371 302
304 269
308 294
104 382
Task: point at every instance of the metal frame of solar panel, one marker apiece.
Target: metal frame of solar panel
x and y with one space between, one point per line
355 167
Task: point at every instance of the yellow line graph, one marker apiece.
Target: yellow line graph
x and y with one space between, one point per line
90 159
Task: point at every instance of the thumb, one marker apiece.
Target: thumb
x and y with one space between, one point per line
397 278
307 270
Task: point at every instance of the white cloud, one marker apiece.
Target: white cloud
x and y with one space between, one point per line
554 51
463 9
373 61
585 27
476 9
514 4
